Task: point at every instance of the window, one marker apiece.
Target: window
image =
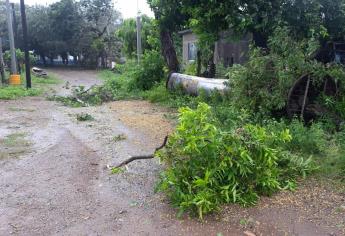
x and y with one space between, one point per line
191 51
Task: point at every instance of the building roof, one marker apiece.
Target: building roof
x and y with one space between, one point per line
183 32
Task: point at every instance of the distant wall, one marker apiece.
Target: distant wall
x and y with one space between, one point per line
227 51
231 52
187 39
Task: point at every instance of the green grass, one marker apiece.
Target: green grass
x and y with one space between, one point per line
39 80
17 109
14 145
119 138
15 92
85 117
105 74
15 139
38 85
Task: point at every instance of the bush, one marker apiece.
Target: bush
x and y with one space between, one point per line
150 71
190 68
306 140
263 83
207 167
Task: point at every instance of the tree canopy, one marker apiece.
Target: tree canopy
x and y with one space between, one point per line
84 29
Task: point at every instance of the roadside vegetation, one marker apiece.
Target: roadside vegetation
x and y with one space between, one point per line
238 146
231 147
9 92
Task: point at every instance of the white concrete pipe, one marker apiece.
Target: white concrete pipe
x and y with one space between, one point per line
193 84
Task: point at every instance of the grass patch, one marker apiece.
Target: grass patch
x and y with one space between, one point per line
105 75
13 145
15 92
84 117
48 80
119 138
66 101
17 109
116 170
15 139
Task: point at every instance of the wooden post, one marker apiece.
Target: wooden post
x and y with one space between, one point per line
25 36
2 65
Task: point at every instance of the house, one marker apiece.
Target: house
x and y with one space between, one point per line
227 51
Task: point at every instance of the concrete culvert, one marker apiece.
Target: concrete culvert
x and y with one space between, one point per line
193 85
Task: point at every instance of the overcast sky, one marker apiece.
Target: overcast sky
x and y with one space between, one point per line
128 8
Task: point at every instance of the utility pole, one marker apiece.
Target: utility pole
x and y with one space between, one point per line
11 38
139 50
2 65
15 25
25 40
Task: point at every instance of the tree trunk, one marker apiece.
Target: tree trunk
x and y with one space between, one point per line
168 51
198 63
211 64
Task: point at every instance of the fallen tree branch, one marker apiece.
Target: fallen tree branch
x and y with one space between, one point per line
143 157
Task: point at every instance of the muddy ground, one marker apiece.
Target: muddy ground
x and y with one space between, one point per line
54 178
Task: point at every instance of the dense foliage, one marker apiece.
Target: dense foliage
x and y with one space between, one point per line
83 29
263 83
127 32
208 166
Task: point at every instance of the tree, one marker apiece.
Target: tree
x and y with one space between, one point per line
260 18
100 21
65 20
127 32
171 19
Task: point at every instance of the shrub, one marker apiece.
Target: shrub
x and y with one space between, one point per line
207 167
263 83
306 140
84 117
190 68
150 71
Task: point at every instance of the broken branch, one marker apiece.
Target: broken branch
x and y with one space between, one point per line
143 157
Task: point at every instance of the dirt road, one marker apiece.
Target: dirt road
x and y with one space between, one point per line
54 178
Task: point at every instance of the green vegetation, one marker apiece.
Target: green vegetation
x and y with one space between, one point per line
13 145
223 153
227 148
15 92
38 84
119 138
262 85
209 166
15 139
43 81
115 170
69 27
85 117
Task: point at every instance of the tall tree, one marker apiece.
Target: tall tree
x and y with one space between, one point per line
170 18
127 32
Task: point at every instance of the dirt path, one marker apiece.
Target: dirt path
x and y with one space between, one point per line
54 180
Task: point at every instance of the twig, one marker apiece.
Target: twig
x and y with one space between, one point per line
143 157
86 91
